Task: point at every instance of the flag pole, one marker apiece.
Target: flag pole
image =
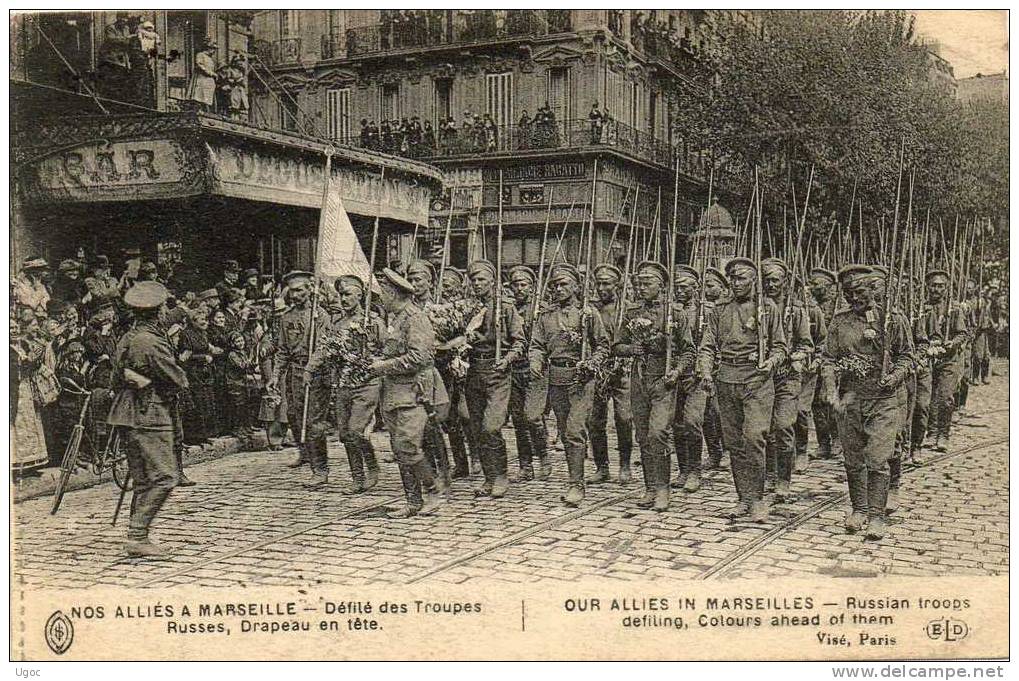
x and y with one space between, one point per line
375 240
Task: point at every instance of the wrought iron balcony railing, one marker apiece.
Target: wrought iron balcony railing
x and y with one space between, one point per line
285 51
334 46
571 134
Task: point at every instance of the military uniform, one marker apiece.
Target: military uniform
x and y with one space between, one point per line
691 395
528 394
487 385
653 392
947 365
808 380
558 339
869 409
746 393
144 408
824 420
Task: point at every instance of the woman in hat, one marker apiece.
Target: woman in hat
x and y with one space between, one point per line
200 409
203 83
26 352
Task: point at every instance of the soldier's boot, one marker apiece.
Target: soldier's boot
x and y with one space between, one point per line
458 445
625 474
575 466
599 477
600 454
693 482
525 474
663 467
802 461
759 510
182 480
781 491
432 492
412 492
302 456
355 458
647 500
500 485
441 454
877 505
144 548
679 445
544 468
892 504
858 498
371 465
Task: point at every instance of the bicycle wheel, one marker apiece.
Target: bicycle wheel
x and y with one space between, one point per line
121 471
67 466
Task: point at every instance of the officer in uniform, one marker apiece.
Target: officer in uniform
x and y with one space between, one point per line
867 403
692 397
653 385
787 375
947 357
354 404
292 356
822 284
528 392
570 338
407 371
613 384
488 381
743 381
147 380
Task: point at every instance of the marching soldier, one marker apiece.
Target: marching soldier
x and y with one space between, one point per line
147 380
406 368
692 396
652 385
808 377
821 284
289 368
947 360
463 449
354 404
528 392
613 385
787 375
487 385
716 291
867 404
743 381
560 337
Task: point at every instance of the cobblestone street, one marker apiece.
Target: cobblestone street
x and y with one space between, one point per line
251 522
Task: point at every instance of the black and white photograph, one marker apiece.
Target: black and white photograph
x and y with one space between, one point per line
522 304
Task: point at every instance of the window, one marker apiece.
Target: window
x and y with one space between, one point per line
338 113
442 106
557 93
652 115
633 107
289 23
337 22
500 98
523 251
288 112
389 103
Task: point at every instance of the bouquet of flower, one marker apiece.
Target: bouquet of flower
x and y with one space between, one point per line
643 333
855 366
350 353
449 320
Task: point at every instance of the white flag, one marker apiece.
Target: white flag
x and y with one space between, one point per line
339 251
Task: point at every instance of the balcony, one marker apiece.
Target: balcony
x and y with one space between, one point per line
430 28
278 52
571 134
334 46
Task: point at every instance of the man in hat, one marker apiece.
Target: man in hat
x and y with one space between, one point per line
147 379
787 376
867 401
612 385
821 283
68 285
408 346
208 301
29 288
945 328
528 392
231 276
292 354
101 284
743 381
716 291
496 336
354 404
252 285
643 336
571 339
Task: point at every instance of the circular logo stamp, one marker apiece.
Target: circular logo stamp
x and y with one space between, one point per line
59 632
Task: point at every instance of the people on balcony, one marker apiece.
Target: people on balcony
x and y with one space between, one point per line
524 131
233 83
143 49
202 92
546 134
491 134
114 69
597 119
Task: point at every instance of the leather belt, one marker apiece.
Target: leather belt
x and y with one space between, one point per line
563 363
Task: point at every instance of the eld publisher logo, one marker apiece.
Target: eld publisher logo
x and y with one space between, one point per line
947 630
59 632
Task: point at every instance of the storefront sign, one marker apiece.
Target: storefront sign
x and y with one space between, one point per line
541 171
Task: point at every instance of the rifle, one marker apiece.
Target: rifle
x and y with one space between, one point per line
631 248
886 312
759 284
619 219
669 291
445 242
497 312
587 270
541 263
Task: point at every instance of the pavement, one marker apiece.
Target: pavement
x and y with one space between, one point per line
251 522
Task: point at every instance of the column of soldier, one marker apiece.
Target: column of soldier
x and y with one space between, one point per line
692 357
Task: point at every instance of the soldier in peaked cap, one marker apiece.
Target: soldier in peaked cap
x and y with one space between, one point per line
528 392
147 380
743 381
448 364
868 421
292 355
406 369
787 377
945 328
488 382
643 336
613 383
564 336
716 291
821 283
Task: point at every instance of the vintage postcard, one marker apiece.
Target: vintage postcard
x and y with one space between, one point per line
509 334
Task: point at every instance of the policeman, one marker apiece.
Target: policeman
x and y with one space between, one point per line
946 330
354 404
570 339
786 376
487 385
147 380
292 354
743 381
613 384
821 284
866 401
692 396
528 392
652 384
406 368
